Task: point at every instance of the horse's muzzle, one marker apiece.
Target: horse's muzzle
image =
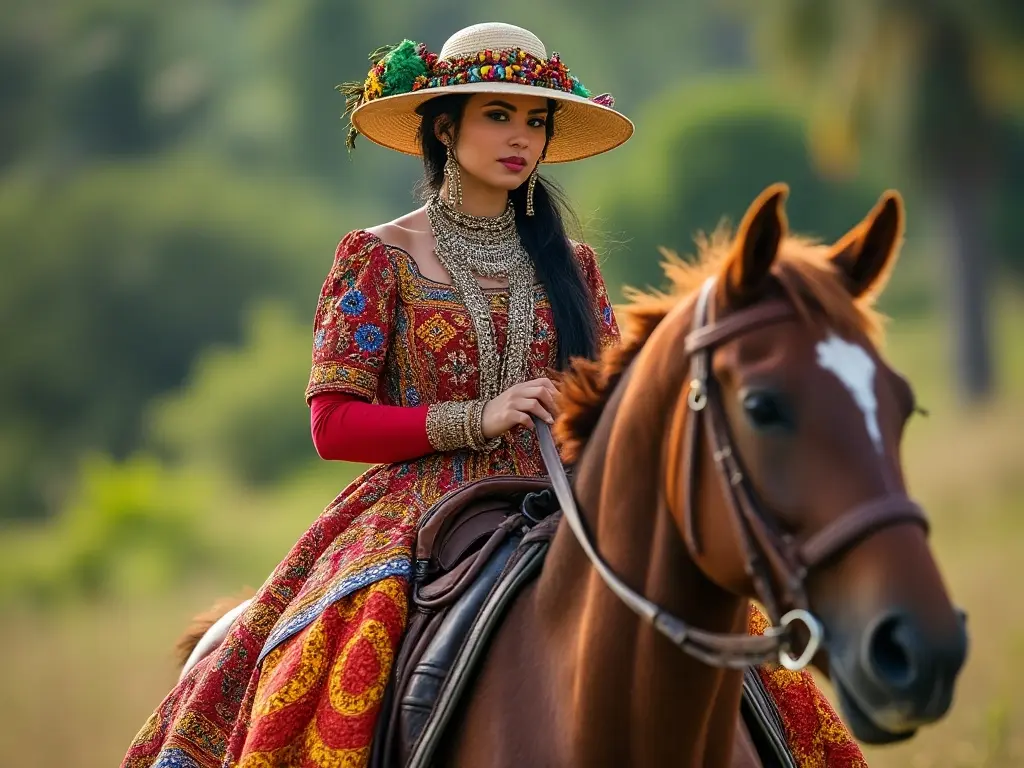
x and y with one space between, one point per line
896 677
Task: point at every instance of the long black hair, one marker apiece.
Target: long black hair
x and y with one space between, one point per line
543 235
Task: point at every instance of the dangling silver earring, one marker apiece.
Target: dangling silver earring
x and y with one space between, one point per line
529 189
453 179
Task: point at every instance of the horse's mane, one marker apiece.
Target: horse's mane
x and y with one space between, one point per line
801 269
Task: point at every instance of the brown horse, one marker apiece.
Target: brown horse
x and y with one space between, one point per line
796 497
741 442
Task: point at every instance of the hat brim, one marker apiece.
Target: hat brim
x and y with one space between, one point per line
582 127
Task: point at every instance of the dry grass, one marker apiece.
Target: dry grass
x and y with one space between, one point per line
79 684
967 467
968 474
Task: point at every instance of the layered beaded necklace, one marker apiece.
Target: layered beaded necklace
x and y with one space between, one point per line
489 247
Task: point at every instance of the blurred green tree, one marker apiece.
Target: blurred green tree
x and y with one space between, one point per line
931 81
129 527
113 283
242 409
709 150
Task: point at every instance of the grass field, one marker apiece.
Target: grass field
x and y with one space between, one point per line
79 680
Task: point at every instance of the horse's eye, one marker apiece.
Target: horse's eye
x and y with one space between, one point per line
767 411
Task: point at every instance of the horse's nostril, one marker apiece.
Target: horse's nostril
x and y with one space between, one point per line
889 653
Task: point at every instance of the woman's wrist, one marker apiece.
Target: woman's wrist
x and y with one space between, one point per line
455 424
480 441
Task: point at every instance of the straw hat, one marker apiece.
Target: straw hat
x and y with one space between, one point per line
483 58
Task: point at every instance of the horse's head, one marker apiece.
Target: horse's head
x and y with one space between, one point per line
815 417
782 452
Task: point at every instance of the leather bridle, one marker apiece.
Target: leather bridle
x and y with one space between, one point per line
768 551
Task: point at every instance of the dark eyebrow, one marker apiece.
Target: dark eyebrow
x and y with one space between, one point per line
511 108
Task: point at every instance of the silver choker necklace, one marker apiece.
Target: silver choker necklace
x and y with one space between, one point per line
489 247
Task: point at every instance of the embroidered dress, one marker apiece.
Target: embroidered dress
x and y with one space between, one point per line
300 677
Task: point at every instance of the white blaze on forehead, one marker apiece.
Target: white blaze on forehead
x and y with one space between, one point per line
856 370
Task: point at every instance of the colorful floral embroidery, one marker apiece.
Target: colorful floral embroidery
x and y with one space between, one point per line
435 332
342 340
353 302
352 355
369 337
588 260
459 368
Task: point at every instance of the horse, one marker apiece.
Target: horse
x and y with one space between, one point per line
741 442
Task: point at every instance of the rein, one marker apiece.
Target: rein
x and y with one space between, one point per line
767 550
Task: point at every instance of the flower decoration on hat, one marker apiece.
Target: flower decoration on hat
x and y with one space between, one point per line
395 68
409 67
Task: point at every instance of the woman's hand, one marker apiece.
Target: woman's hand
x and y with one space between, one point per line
517 404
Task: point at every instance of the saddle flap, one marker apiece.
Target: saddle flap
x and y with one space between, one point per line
449 585
465 518
445 583
469 530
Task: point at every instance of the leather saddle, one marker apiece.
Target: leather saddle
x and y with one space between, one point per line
475 549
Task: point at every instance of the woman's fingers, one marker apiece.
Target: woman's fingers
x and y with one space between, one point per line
536 407
544 395
536 397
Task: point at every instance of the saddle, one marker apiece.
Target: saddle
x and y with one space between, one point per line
475 550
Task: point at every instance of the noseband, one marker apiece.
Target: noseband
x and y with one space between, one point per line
767 550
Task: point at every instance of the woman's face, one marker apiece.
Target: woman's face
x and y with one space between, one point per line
501 138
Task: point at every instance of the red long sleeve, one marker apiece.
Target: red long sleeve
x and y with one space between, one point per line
347 428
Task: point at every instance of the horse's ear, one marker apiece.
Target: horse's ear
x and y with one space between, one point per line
866 254
756 244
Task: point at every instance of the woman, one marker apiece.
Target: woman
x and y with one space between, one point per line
435 337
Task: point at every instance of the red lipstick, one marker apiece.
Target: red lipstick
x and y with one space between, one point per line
514 164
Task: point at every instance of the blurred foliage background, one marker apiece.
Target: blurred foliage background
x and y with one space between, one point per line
173 182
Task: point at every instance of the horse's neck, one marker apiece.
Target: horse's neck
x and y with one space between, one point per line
632 694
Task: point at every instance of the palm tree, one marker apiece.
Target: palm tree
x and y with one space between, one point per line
929 80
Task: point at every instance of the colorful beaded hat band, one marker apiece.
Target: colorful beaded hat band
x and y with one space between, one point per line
485 58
